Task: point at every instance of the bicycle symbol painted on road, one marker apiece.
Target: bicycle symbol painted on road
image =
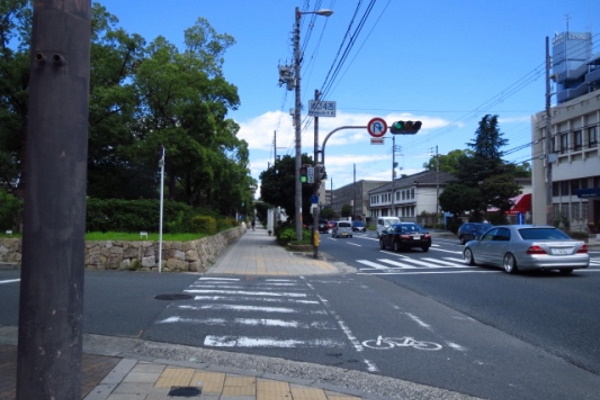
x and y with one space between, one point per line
386 343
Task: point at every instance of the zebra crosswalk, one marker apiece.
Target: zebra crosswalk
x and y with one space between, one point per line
272 313
408 263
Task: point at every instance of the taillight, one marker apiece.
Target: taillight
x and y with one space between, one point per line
536 250
583 249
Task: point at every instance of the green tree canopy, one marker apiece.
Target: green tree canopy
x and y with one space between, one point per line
278 186
142 95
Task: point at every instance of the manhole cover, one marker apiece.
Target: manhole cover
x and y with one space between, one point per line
185 392
173 296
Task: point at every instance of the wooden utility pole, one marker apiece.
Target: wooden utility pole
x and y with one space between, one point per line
51 295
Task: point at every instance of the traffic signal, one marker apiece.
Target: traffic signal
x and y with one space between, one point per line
405 127
304 174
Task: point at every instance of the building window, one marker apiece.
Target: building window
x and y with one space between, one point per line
564 188
555 189
577 140
564 143
574 185
592 137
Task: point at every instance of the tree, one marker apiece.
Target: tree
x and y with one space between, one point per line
447 162
485 179
278 186
142 96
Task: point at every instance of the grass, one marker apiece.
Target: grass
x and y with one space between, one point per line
129 236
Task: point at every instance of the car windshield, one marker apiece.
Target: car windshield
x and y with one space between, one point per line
409 228
542 233
344 224
358 223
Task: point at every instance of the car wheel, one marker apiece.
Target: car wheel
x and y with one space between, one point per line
565 271
381 244
468 257
397 247
425 248
510 264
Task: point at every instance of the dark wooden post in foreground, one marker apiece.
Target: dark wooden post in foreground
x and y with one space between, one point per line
51 297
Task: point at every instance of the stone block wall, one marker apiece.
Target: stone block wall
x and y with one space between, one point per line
193 256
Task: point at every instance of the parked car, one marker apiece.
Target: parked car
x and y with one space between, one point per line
342 229
523 247
470 230
383 223
405 235
359 226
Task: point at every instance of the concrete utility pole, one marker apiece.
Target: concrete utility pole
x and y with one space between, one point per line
51 294
297 125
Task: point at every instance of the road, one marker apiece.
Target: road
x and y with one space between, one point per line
422 317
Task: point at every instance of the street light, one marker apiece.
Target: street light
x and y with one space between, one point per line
297 106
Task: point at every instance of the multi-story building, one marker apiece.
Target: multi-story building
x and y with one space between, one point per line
572 163
356 195
409 197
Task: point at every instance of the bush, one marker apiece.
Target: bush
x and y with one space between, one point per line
579 235
204 224
11 209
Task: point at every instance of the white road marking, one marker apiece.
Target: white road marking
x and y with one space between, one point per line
246 293
244 341
10 281
372 264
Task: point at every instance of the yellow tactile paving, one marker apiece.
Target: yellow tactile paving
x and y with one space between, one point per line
175 377
210 382
272 390
239 386
307 393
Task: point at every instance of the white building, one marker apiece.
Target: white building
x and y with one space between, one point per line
573 135
409 197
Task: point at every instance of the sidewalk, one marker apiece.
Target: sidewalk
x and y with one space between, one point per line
116 368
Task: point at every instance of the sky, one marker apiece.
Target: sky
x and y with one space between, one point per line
445 63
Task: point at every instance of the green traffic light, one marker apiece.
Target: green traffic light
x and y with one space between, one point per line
399 125
303 178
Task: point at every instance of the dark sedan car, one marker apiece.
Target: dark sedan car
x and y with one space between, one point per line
470 230
405 235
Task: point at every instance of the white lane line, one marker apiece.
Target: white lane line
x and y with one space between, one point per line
419 321
10 281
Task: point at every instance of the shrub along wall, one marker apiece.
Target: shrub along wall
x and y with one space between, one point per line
193 256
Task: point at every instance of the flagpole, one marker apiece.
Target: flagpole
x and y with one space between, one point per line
161 163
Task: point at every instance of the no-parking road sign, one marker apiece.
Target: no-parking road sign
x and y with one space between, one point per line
377 127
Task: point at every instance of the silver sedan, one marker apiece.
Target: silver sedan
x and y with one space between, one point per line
523 247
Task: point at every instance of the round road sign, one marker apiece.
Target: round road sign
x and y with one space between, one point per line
377 127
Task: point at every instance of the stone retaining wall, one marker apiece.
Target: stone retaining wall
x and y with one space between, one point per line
193 256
